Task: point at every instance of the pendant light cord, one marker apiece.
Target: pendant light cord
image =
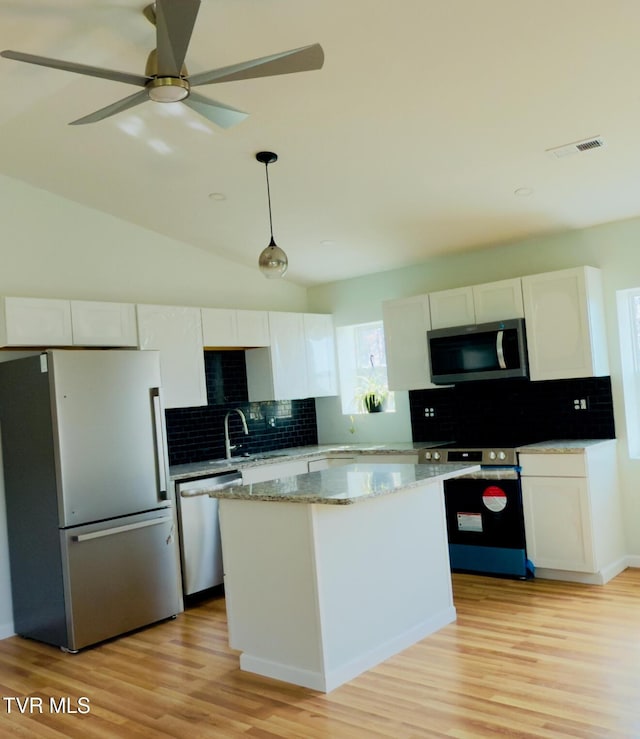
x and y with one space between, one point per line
266 169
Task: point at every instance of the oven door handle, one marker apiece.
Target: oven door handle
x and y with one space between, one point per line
500 350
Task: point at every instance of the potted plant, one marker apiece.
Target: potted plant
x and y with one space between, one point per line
371 394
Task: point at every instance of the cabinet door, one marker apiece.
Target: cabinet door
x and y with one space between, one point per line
176 332
253 327
406 323
219 327
36 322
565 327
558 523
452 307
495 301
288 356
320 351
103 324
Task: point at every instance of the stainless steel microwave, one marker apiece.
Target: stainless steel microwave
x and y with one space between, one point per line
482 351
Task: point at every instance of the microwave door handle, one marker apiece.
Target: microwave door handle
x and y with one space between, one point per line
500 350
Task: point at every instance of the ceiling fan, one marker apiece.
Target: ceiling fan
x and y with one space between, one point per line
166 79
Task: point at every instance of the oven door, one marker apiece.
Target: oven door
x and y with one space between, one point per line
485 524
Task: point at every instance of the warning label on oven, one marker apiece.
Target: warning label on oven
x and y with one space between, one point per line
469 521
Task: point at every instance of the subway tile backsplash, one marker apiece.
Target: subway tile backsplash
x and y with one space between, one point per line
197 434
514 411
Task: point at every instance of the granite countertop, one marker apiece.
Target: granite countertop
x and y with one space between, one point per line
214 466
343 485
562 446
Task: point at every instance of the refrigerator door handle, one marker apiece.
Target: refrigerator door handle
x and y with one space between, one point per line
120 529
160 446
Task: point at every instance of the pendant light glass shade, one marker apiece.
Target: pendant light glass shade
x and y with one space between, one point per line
272 261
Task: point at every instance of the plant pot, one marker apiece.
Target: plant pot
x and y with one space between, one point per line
372 404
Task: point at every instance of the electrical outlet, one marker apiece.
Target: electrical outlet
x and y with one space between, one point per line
271 421
580 404
429 412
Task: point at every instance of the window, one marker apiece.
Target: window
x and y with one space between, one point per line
363 367
629 322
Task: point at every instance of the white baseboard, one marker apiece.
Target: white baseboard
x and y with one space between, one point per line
633 560
596 578
6 630
336 677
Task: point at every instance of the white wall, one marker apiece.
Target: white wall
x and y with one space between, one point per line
51 247
612 247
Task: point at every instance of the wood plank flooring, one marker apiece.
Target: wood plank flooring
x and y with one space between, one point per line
524 659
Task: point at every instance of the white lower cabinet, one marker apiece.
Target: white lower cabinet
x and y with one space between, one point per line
572 515
176 332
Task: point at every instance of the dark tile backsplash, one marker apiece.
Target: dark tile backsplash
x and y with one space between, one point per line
197 434
513 412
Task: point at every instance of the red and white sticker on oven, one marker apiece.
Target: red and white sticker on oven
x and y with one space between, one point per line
494 498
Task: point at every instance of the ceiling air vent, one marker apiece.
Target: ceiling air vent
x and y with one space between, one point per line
576 147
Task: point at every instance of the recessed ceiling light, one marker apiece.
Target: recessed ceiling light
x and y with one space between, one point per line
217 196
327 242
523 192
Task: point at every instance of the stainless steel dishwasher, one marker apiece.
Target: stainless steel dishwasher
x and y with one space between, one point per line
200 547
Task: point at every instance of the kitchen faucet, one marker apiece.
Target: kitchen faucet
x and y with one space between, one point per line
227 444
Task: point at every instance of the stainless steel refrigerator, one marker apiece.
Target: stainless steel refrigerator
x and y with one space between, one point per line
90 519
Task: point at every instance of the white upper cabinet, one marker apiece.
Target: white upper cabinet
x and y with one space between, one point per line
484 303
406 322
496 301
320 351
452 307
300 361
176 332
103 324
35 322
565 324
45 322
234 328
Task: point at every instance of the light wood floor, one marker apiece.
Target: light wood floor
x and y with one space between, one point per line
524 659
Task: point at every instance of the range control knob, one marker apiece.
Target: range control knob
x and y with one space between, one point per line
427 455
502 455
436 455
492 454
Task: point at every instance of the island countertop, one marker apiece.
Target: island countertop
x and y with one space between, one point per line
343 485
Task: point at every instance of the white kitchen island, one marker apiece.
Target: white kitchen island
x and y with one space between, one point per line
329 573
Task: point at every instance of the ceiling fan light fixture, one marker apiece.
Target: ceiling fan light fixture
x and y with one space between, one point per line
273 262
168 89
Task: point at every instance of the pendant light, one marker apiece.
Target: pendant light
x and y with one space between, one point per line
273 261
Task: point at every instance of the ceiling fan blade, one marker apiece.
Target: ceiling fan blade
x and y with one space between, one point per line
175 20
296 60
124 104
222 115
106 74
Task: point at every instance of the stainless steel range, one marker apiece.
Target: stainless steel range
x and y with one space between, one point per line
485 519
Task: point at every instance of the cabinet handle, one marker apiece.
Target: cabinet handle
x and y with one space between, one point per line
500 350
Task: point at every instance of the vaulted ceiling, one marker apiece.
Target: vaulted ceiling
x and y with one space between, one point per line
427 130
